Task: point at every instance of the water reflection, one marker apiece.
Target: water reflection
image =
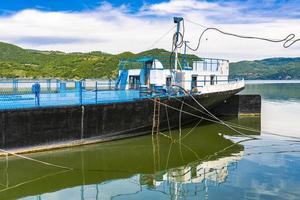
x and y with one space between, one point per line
203 165
280 106
275 92
132 168
193 181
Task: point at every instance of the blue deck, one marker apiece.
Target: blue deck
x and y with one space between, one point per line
16 101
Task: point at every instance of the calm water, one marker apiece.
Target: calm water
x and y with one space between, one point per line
208 162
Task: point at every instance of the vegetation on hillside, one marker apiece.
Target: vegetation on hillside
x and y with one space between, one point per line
16 62
267 69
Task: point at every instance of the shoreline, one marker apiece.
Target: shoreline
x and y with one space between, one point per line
249 82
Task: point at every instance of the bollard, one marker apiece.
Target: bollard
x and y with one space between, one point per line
36 90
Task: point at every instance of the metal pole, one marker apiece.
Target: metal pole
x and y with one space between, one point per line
177 21
96 92
80 92
15 86
185 56
48 85
109 84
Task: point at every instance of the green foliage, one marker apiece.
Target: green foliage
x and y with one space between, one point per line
267 69
16 62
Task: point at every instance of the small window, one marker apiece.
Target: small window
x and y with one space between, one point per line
194 82
168 81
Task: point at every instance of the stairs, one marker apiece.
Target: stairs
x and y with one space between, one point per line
122 80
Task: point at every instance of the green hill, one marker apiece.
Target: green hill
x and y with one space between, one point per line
271 69
16 62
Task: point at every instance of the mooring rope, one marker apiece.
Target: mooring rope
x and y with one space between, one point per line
197 116
180 118
33 180
168 121
35 160
245 128
187 134
212 115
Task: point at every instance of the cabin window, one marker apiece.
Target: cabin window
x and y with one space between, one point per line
134 82
168 81
194 82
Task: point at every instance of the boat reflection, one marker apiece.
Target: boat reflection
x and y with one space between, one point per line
144 167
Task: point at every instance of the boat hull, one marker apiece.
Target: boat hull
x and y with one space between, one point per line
56 127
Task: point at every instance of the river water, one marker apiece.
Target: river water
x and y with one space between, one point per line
198 162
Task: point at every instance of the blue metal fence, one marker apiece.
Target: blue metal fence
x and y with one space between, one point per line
16 94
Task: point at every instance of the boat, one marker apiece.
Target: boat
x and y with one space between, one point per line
160 94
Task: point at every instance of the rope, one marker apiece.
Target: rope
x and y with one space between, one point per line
35 160
160 38
245 128
169 127
180 116
33 180
212 115
197 124
211 120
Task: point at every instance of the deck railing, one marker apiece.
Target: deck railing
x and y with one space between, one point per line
16 94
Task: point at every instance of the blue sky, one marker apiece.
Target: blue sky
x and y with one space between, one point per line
65 5
114 26
261 7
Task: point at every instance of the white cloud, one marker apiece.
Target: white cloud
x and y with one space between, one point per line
114 30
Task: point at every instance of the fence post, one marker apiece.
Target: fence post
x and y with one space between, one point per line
15 86
80 92
48 85
96 92
57 85
109 82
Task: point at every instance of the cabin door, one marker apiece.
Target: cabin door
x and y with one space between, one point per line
134 82
168 81
194 82
212 79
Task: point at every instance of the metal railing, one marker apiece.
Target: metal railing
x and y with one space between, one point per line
16 94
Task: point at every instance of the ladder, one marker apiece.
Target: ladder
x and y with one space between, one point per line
156 116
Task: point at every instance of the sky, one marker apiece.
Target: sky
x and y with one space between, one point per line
114 26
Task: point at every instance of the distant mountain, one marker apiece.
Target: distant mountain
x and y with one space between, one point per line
16 62
271 68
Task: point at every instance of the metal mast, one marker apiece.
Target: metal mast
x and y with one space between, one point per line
185 63
177 21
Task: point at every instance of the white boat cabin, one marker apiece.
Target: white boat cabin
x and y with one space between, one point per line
151 73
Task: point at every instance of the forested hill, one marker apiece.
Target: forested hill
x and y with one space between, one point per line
16 62
268 69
